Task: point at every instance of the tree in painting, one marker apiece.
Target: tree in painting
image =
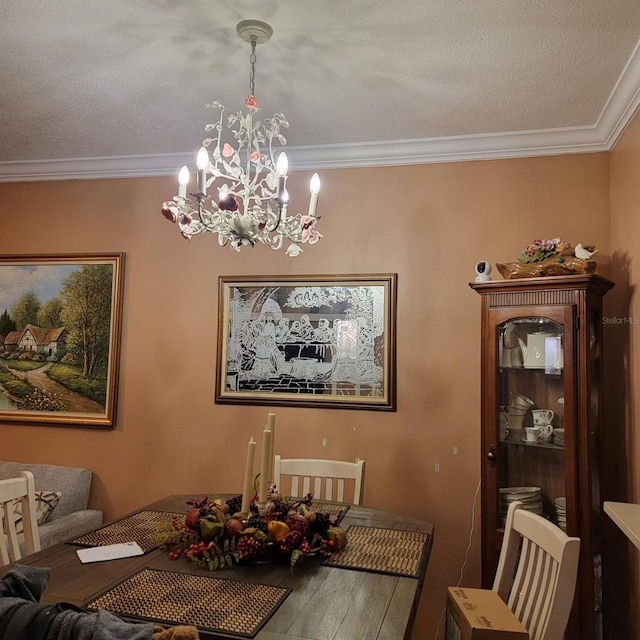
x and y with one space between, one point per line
25 311
7 323
86 314
49 315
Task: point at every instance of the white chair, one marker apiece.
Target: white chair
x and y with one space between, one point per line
537 571
23 489
327 472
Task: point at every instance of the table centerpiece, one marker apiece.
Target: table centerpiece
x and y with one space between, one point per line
215 534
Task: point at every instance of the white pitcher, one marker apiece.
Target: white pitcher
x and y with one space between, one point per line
533 352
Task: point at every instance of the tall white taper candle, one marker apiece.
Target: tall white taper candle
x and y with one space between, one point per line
247 489
264 467
271 425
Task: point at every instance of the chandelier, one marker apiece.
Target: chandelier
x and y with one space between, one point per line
241 189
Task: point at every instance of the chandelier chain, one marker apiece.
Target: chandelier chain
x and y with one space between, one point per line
252 60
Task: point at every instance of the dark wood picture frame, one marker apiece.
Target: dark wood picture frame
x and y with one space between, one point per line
60 327
323 341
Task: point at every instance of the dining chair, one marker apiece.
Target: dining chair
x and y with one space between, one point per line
23 489
330 473
537 572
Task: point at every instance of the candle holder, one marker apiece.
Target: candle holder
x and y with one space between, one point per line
264 508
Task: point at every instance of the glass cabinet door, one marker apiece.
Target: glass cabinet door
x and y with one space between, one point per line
530 397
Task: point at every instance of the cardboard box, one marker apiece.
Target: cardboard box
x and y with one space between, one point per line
480 614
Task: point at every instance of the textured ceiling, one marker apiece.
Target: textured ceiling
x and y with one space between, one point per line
115 87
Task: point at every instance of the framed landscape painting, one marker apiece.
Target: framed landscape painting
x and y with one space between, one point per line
60 319
312 341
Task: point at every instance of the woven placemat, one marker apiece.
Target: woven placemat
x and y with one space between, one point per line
332 508
401 553
138 527
211 604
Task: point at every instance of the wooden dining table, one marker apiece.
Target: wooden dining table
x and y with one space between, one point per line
323 602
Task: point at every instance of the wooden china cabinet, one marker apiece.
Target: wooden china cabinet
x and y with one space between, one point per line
541 350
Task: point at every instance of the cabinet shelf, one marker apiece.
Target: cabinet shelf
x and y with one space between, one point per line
550 371
533 445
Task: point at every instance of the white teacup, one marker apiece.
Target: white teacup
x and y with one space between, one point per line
516 408
519 400
542 416
546 432
516 420
532 434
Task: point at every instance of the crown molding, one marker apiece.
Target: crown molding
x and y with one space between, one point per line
336 156
618 111
623 102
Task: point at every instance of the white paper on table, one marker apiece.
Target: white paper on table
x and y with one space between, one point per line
110 552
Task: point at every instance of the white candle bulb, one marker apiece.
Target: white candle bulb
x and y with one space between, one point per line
202 162
183 181
314 187
314 184
202 159
282 165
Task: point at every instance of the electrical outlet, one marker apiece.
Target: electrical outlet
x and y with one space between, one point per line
324 442
437 467
455 450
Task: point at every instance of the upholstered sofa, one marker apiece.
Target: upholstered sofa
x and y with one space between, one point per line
71 516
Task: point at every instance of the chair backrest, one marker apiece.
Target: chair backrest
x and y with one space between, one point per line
537 572
23 489
331 473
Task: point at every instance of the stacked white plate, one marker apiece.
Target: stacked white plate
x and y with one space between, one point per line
531 498
558 437
561 512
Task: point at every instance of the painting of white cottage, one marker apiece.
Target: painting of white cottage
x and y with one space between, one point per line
55 337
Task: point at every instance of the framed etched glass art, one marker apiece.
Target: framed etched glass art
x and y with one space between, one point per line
313 341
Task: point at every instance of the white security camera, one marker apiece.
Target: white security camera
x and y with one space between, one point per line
483 269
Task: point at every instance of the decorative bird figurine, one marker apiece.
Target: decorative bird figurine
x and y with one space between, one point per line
584 253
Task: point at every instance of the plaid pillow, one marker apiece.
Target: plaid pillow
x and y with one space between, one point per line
46 502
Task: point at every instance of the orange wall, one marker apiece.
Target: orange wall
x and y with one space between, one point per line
429 224
625 339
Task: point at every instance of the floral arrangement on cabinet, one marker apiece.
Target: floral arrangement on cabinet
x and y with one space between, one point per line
550 257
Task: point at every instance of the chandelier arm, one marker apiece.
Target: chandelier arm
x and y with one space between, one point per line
247 176
278 218
201 219
276 243
218 128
